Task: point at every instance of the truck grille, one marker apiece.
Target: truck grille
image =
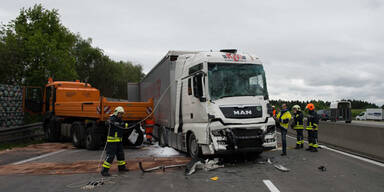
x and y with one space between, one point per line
242 112
246 143
245 138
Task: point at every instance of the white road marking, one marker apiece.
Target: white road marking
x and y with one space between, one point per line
271 186
348 154
38 157
354 156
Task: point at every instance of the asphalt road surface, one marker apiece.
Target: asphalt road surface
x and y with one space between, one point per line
343 173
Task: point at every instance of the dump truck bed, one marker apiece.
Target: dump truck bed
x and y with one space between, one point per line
75 99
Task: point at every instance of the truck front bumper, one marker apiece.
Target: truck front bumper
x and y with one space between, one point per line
231 140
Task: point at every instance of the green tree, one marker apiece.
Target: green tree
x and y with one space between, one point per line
36 46
109 76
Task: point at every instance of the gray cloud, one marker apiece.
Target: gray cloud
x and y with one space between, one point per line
311 49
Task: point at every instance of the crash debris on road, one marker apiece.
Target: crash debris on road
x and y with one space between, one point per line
206 165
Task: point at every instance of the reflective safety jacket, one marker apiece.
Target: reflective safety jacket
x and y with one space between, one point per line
313 121
116 126
298 120
283 118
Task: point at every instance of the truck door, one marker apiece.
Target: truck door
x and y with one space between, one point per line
33 99
195 110
50 97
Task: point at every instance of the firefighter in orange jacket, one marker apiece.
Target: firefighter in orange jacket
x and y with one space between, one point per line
273 111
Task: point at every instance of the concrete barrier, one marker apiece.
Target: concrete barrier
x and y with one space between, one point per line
363 139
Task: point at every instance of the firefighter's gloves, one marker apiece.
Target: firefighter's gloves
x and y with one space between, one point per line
286 121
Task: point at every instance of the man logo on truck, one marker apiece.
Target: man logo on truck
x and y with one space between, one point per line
242 112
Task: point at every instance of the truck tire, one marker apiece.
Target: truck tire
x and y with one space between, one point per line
91 138
194 150
51 130
77 139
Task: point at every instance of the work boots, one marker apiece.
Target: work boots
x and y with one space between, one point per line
298 146
309 148
104 172
301 146
122 168
314 149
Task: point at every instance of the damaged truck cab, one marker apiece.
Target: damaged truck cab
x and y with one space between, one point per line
211 102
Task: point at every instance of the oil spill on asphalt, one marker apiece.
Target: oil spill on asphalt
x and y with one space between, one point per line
50 168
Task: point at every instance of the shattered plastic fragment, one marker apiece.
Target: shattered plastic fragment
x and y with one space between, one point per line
215 178
208 165
322 168
281 168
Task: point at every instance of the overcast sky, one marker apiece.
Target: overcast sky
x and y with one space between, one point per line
311 49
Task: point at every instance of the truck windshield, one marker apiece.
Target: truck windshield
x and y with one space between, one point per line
229 80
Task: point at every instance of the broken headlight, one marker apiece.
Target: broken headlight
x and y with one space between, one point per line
270 129
218 133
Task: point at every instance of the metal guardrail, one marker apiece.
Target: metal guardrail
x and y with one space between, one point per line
18 133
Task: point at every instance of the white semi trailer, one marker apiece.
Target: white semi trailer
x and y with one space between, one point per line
210 102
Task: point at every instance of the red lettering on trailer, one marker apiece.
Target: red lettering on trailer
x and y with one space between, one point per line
236 57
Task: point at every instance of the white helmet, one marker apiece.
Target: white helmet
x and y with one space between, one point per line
118 109
297 107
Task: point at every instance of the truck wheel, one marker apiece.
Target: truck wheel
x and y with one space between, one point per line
193 148
348 121
91 139
51 131
76 136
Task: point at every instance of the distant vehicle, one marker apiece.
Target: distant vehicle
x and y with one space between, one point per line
341 111
371 114
323 114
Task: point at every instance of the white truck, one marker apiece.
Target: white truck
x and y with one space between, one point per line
371 114
209 102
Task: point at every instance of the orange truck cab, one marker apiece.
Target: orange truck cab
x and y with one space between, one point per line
77 110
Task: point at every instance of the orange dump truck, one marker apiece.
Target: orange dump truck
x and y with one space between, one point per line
77 110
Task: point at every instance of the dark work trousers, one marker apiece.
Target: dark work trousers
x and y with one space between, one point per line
310 138
284 139
115 149
314 141
299 136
